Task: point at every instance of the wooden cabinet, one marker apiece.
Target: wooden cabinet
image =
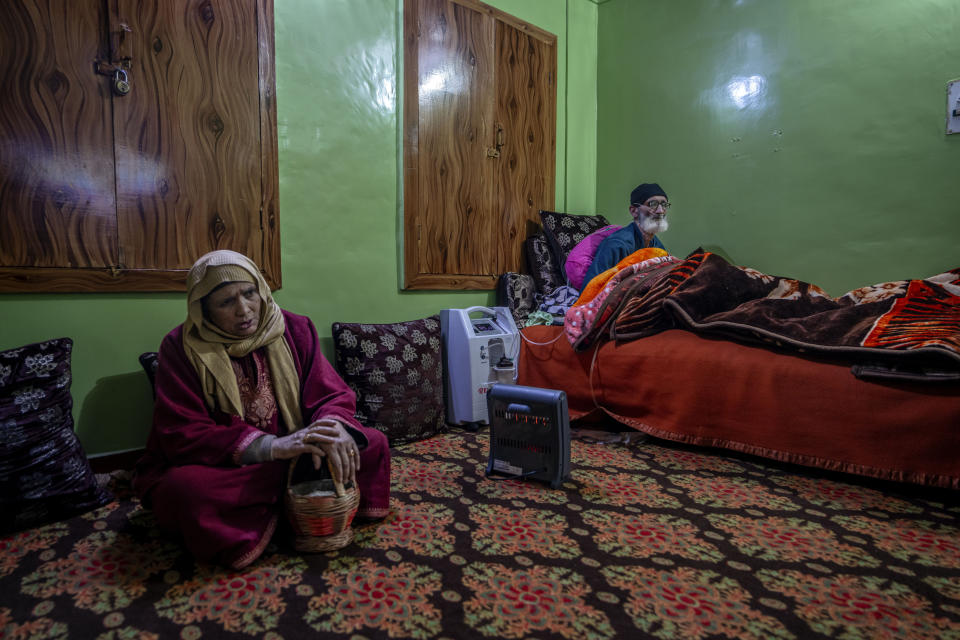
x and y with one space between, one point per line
107 192
479 141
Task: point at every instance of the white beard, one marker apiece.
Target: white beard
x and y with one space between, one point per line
653 224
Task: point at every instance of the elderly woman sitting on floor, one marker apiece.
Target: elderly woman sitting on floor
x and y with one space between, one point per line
242 388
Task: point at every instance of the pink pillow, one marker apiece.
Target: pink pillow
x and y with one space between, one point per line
580 257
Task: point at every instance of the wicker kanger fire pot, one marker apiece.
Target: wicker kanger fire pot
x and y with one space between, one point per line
320 512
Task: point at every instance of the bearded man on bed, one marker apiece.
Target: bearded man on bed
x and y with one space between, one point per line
648 208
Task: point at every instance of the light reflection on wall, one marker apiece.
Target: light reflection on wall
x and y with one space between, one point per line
366 76
378 63
743 67
386 95
748 91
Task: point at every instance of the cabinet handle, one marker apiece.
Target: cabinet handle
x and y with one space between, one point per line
120 57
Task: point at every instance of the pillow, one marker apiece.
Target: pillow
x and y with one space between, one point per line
517 292
44 473
546 273
580 257
397 373
565 230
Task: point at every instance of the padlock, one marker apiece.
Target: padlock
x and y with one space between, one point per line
121 86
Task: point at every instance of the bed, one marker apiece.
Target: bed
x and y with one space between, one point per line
703 352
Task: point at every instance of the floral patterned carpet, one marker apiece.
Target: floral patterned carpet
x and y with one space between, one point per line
645 540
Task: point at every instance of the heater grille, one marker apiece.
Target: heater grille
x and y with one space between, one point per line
523 445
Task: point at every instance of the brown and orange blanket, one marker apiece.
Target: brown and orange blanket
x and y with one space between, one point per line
902 329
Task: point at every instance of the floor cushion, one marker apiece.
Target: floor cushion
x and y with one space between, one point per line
44 472
396 371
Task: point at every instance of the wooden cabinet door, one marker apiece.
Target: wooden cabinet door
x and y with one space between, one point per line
107 192
479 141
187 135
526 121
455 177
56 140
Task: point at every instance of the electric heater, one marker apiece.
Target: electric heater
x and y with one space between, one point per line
529 433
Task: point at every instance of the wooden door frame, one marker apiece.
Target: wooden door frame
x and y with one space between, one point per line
412 276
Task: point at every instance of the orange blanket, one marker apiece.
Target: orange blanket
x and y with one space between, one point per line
596 285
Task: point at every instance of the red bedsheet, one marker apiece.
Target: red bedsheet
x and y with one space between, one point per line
684 387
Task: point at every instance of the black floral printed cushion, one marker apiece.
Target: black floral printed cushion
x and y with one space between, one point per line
44 472
565 230
397 373
517 292
545 271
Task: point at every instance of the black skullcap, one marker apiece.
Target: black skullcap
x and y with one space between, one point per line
645 191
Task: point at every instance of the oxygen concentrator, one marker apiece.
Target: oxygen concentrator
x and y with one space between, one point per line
478 353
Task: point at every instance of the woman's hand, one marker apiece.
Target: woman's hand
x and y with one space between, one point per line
294 444
338 445
324 438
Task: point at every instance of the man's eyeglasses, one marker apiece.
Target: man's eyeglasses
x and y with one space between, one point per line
653 206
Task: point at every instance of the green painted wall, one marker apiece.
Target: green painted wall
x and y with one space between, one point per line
804 139
338 65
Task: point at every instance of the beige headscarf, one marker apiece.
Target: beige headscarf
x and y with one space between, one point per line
209 348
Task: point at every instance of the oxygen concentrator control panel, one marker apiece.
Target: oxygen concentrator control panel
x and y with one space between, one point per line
483 327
